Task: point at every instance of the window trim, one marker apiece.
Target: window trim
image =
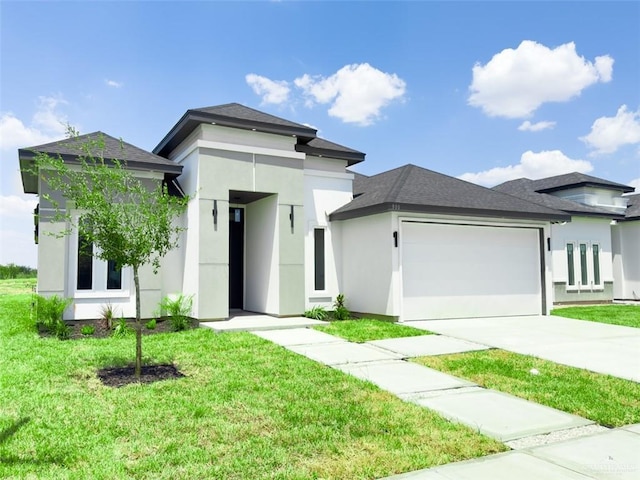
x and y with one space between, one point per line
584 265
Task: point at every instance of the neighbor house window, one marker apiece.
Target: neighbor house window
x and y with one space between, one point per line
596 263
584 274
570 264
583 265
318 258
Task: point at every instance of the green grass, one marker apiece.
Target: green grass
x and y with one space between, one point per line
627 315
604 399
247 408
365 330
16 286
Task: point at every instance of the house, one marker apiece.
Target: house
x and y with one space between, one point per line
596 256
278 223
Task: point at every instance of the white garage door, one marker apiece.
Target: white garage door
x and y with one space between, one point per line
461 271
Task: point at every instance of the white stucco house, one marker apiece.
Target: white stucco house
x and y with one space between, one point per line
595 256
277 223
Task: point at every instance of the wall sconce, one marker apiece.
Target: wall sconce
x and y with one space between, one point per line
548 244
215 213
395 239
291 218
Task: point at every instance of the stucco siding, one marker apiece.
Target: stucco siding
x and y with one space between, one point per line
626 260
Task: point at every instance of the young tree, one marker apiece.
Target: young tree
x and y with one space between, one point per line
129 221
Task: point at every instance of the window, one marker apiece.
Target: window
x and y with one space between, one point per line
572 274
91 276
318 258
583 265
596 263
584 274
85 264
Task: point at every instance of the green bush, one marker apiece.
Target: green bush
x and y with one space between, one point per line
151 324
121 329
49 311
88 330
178 310
317 313
340 311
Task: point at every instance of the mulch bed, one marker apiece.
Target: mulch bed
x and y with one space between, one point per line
121 376
162 326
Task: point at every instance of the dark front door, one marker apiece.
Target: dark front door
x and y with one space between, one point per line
236 257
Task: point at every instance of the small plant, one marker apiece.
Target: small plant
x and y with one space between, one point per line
87 330
178 310
49 311
317 313
121 329
151 324
107 314
340 311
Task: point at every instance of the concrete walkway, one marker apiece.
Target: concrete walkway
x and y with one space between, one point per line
499 415
599 347
548 443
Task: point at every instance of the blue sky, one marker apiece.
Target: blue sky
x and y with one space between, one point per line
485 91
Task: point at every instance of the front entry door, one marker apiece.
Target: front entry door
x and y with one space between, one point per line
236 257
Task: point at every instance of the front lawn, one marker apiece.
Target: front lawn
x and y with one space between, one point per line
365 330
627 315
607 400
246 408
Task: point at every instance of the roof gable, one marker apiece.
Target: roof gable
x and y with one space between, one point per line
416 189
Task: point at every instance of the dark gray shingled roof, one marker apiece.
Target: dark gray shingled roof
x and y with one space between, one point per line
239 116
325 148
574 180
415 189
70 148
633 207
530 190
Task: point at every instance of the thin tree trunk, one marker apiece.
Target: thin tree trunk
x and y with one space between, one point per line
138 367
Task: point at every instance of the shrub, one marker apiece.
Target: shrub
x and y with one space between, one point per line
107 314
151 324
87 330
317 313
121 329
49 311
340 311
178 310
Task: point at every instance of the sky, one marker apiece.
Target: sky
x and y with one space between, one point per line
483 91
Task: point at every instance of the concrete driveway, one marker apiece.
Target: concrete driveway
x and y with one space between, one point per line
599 347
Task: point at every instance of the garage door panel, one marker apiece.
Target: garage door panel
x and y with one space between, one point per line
456 271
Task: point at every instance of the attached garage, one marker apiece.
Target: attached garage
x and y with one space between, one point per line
420 245
460 271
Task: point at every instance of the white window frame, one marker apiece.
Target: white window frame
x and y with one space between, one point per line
590 267
99 280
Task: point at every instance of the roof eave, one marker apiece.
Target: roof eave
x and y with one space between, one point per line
352 158
440 210
619 188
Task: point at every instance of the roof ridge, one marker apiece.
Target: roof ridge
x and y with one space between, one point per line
399 183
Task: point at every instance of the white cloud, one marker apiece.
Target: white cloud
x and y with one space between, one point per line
46 126
533 166
272 91
527 126
610 133
514 83
113 83
16 232
635 184
356 92
16 205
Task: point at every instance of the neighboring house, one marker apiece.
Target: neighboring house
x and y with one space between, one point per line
277 224
66 266
596 257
